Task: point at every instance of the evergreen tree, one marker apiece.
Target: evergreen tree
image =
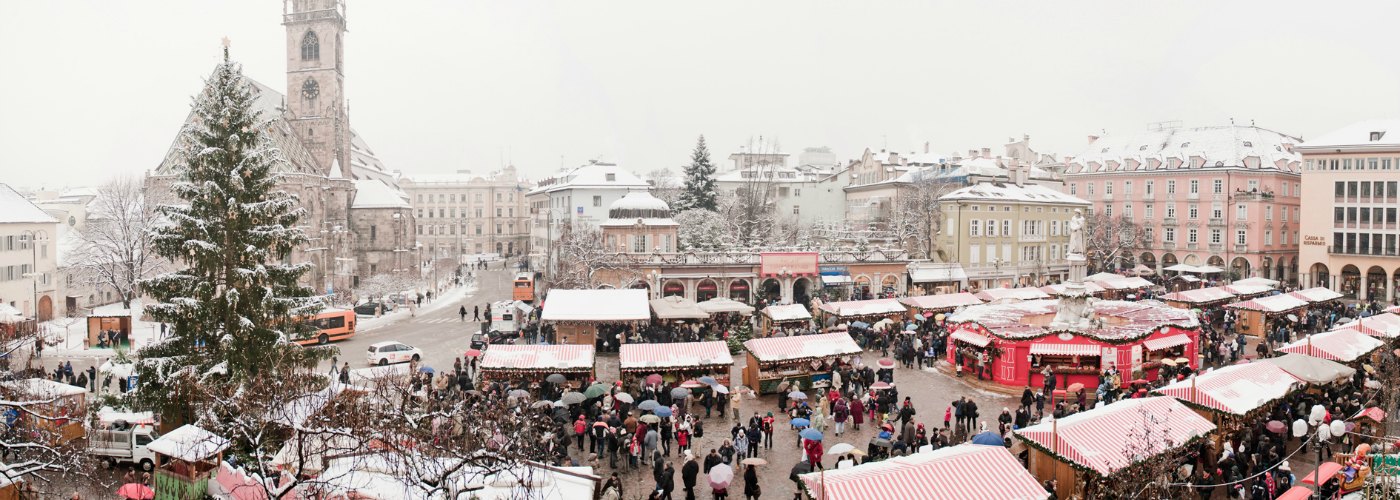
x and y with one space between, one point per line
232 306
699 191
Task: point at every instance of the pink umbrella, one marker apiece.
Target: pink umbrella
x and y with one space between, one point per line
135 491
654 379
885 363
720 476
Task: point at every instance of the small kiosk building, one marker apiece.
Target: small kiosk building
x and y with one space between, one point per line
577 314
784 316
1256 316
532 363
676 361
803 360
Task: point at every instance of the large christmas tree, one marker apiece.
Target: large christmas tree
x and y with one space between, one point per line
233 306
699 191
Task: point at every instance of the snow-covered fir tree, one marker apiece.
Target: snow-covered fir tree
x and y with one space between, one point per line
232 305
699 191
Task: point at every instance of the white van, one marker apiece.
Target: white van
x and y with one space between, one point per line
124 443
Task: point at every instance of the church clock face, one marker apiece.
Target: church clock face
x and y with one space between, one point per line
310 89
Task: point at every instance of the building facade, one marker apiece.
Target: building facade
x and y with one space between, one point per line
580 195
1223 196
463 214
28 258
1349 200
1006 234
639 223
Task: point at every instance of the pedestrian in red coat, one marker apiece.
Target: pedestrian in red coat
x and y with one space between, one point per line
857 412
814 453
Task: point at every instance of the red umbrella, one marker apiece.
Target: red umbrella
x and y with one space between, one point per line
881 385
885 363
472 353
135 491
692 384
1276 427
1138 381
654 379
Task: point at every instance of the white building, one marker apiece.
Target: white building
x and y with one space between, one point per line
581 195
806 195
27 270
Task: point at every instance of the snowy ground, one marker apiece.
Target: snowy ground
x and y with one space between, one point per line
450 297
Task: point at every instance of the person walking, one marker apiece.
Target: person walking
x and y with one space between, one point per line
463 313
751 488
476 313
689 472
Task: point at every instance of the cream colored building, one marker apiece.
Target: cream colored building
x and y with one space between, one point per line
639 223
461 214
28 259
1007 234
1351 183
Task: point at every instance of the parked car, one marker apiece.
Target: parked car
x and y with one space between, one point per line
124 443
388 352
368 308
478 341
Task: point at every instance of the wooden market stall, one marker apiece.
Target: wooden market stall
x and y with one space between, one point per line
1082 451
1246 291
1011 294
1123 287
676 307
676 362
56 417
577 314
802 360
1312 371
1198 298
725 305
1255 316
953 473
1345 345
1317 295
186 458
532 363
1229 397
1383 326
869 311
928 306
783 316
111 326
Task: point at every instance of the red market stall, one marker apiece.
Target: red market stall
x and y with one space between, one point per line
676 361
1316 295
1383 325
952 473
1247 291
1084 450
532 363
1345 345
1019 344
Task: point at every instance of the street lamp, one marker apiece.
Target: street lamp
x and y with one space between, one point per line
33 238
1324 436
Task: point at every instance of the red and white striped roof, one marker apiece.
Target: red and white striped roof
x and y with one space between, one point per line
1095 438
995 294
1238 288
1316 294
953 473
1127 283
1235 389
942 301
1384 325
636 357
1200 295
973 338
1167 342
559 358
802 347
1059 288
1271 304
1057 349
1344 345
864 307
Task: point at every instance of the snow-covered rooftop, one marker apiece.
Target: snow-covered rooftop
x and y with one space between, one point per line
373 193
1221 146
787 312
639 200
1003 192
596 305
1359 135
594 175
15 209
1124 320
189 443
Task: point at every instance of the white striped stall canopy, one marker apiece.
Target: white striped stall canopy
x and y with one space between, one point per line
1167 342
787 312
596 305
1257 281
973 338
553 358
1316 294
1094 438
1129 283
1245 289
1383 325
1272 304
801 347
995 294
942 301
1235 389
1344 345
1059 288
643 357
954 473
1055 349
863 307
1199 295
1104 277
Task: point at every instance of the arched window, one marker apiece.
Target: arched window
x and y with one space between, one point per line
310 47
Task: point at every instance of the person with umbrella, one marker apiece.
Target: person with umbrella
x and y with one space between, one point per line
720 477
802 467
813 447
751 487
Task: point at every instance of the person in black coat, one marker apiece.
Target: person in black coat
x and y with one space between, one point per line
712 460
751 489
667 484
689 472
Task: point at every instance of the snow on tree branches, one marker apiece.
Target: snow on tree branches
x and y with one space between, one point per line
699 190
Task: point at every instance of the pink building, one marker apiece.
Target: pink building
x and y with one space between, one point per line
1224 196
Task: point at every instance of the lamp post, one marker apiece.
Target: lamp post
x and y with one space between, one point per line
1323 434
34 238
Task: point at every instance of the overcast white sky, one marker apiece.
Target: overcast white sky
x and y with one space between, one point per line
93 88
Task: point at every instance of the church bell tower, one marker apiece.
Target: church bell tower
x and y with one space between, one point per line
316 80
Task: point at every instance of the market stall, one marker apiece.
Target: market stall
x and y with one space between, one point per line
1058 289
533 363
1383 325
926 307
1246 291
1256 316
1317 295
1011 294
1123 287
1103 277
1313 371
676 307
804 360
56 416
1083 451
1257 281
1346 345
1017 344
784 316
676 362
186 459
722 305
578 315
110 326
1227 395
941 474
869 311
1198 298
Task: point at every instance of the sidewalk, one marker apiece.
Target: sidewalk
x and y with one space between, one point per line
452 297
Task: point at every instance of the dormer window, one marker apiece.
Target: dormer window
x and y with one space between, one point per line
1376 136
1248 144
612 177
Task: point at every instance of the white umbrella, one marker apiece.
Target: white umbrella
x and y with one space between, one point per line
840 449
721 475
1208 269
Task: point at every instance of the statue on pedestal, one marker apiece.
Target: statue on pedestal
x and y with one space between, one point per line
1076 233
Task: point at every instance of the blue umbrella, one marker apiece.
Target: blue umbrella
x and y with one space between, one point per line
811 434
664 411
989 438
860 324
800 422
427 369
648 405
707 380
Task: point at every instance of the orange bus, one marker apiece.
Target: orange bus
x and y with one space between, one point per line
524 289
331 325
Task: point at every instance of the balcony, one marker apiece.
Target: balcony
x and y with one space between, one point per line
1193 246
1217 247
1193 196
1241 248
1252 196
1169 221
1216 222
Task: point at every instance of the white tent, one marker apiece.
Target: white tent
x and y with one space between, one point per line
725 305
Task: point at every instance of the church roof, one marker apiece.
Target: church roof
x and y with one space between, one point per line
373 193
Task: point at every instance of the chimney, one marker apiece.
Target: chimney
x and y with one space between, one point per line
986 152
972 153
1026 137
1093 138
925 147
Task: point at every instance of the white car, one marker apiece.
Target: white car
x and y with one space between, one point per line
390 352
